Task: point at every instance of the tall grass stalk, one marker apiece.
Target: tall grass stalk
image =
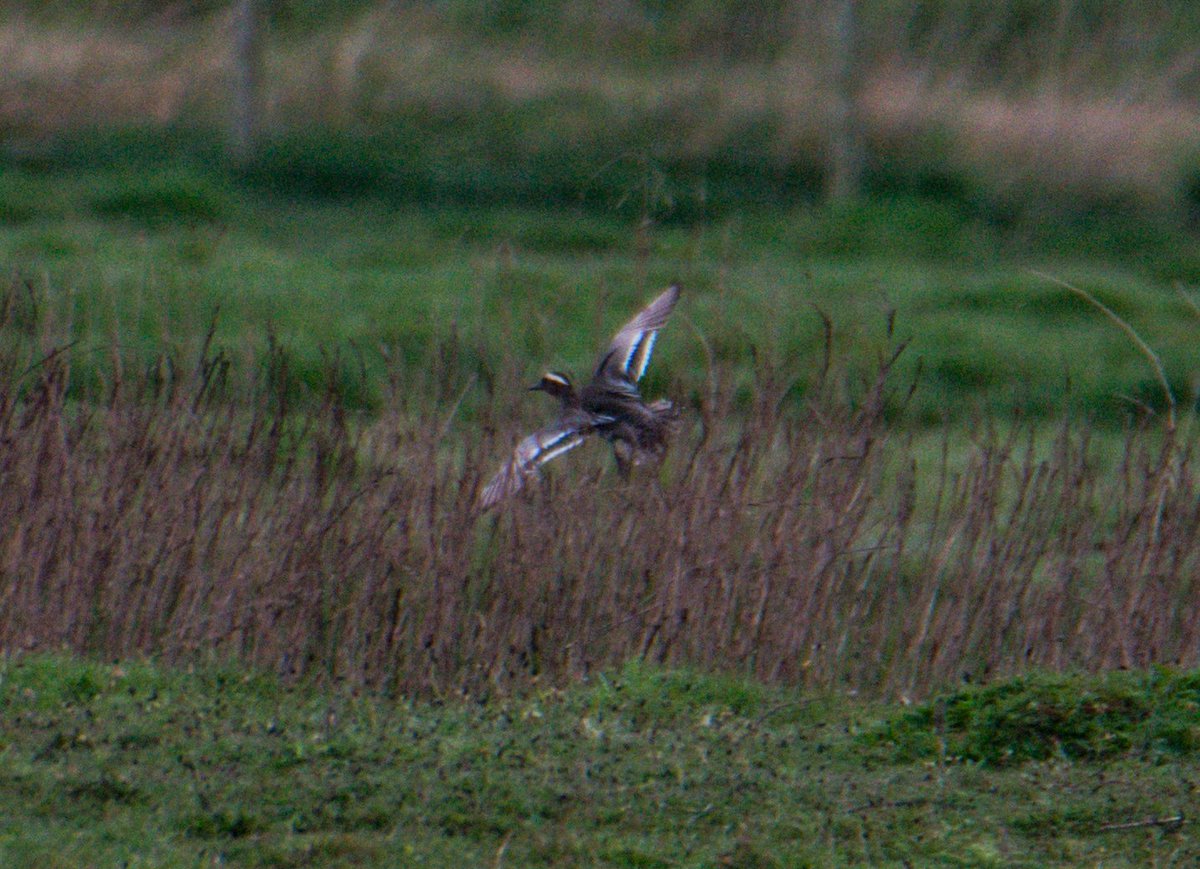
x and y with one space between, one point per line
192 509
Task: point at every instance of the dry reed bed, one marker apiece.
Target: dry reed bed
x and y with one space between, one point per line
190 511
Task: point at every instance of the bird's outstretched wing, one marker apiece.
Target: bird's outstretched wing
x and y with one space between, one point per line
531 453
629 353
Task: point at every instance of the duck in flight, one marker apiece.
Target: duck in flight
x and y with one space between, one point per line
609 406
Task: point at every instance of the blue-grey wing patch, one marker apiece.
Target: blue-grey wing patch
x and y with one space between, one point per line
531 453
629 353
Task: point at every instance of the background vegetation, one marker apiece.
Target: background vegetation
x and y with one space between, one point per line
244 412
429 164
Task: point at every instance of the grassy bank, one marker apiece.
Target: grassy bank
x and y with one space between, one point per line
133 763
144 250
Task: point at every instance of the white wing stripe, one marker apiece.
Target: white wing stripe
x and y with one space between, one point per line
635 341
555 451
541 447
645 348
563 435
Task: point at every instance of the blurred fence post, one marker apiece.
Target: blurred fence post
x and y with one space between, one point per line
846 150
247 72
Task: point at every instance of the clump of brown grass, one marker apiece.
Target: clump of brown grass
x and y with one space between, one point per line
192 510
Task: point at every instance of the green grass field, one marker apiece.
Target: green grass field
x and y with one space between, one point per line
146 255
138 765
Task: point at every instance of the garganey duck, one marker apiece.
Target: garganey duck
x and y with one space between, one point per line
610 406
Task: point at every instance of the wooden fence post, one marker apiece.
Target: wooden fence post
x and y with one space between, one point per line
846 149
245 114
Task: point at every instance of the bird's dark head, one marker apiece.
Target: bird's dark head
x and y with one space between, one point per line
555 383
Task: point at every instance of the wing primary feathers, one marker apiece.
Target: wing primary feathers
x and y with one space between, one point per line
632 345
531 453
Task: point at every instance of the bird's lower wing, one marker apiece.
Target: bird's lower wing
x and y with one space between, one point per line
531 453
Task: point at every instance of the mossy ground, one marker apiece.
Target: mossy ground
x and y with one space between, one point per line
133 764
